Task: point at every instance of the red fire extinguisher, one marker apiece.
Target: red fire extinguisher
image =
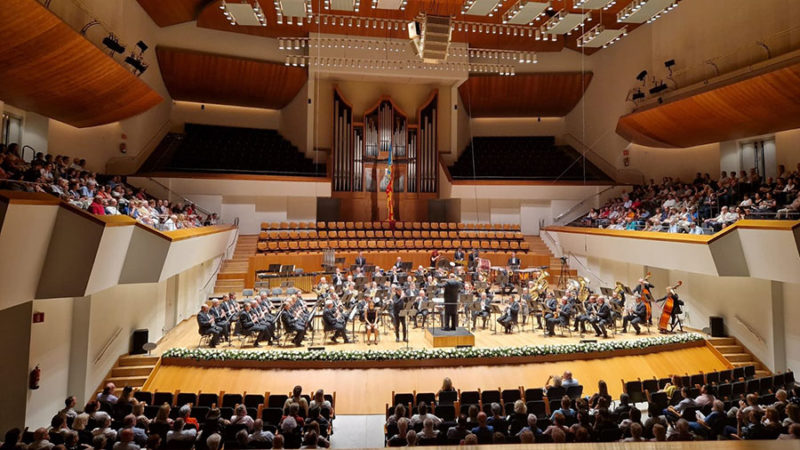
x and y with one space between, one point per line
34 378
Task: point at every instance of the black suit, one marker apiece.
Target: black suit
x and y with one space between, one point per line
473 259
222 320
361 261
639 315
603 318
459 256
334 324
451 290
293 324
206 323
563 318
510 316
398 304
513 262
483 312
250 324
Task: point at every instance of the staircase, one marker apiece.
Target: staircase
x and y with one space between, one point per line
131 370
738 355
538 247
232 274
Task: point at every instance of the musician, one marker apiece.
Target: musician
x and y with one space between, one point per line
602 318
510 315
643 283
473 259
294 322
338 278
459 256
513 261
359 273
676 306
483 312
398 265
638 316
221 319
206 323
452 287
617 302
393 276
531 305
397 305
230 305
551 305
250 323
360 260
589 308
371 322
435 258
564 313
419 305
323 288
334 320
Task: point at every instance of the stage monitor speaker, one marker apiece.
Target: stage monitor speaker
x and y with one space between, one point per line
138 340
717 326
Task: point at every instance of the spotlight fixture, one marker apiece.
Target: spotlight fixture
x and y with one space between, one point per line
641 75
638 95
112 42
136 64
641 11
658 88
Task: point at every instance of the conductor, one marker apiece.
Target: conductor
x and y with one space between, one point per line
452 288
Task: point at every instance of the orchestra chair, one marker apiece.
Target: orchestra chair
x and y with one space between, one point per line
245 335
288 332
205 339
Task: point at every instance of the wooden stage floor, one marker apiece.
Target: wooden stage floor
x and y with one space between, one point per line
367 391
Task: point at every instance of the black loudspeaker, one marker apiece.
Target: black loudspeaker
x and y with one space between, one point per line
717 326
138 340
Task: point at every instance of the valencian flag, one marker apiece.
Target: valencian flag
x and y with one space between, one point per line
390 189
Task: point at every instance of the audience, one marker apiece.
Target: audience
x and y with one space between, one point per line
98 194
677 207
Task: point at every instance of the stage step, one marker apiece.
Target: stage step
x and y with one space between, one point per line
738 357
737 354
133 381
725 349
137 360
128 371
715 341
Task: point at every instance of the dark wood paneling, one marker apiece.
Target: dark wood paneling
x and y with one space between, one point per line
523 95
48 68
170 12
761 104
206 77
211 17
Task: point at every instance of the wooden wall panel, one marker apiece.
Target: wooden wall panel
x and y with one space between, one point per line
206 77
50 69
764 103
524 95
170 12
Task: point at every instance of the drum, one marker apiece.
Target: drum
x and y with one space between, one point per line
443 263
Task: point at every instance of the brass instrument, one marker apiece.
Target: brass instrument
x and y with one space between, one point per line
541 283
583 289
619 288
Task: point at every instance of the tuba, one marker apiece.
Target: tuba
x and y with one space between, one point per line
541 283
583 289
619 288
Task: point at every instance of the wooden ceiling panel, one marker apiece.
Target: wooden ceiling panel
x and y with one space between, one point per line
171 12
211 17
50 69
210 78
524 95
764 103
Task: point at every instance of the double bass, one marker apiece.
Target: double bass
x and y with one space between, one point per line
666 311
647 296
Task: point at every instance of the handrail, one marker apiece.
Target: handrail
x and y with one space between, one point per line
222 258
107 345
598 160
185 200
749 328
145 150
575 206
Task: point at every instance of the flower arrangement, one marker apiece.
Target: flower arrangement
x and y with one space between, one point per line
209 354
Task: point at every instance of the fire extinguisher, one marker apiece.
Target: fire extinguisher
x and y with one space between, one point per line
33 382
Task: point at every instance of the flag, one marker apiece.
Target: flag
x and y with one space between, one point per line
390 189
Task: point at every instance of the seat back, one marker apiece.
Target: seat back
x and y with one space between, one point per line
231 400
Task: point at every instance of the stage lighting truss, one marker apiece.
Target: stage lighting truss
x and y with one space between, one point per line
502 57
384 46
525 12
343 5
600 36
641 11
564 22
481 7
522 31
390 4
293 11
324 63
245 13
594 4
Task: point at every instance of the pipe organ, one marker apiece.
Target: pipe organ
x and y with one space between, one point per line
361 149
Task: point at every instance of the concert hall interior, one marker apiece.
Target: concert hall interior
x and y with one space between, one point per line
245 224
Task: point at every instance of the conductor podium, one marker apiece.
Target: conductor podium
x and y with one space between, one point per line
441 338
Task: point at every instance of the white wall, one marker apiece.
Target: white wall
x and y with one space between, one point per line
293 124
224 115
251 211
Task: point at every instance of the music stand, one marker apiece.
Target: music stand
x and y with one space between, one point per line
406 312
495 309
287 268
360 281
379 279
406 266
608 292
369 268
274 268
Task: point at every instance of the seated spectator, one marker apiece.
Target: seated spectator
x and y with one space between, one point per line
483 431
636 433
107 395
259 436
181 431
294 410
681 432
565 410
297 397
139 434
185 412
497 421
793 432
126 441
602 393
531 427
399 439
447 386
40 440
277 443
459 431
518 419
422 414
319 402
624 405
240 417
411 438
567 380
526 437
428 432
470 439
105 429
659 433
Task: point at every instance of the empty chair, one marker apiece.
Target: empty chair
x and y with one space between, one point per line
186 397
534 394
405 398
276 400
231 400
537 407
574 392
510 395
207 399
446 412
634 391
253 400
470 397
448 397
428 397
144 396
159 398
490 396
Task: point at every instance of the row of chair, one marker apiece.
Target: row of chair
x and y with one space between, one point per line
389 244
221 399
636 389
388 234
420 226
489 396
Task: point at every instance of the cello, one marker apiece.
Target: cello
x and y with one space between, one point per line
666 311
647 296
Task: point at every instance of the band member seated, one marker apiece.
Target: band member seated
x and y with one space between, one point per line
639 315
251 324
206 323
564 313
602 318
435 258
399 263
265 317
643 285
338 279
473 259
221 319
617 302
483 312
550 306
371 322
513 261
294 321
459 256
398 303
581 319
322 288
420 306
510 315
360 260
335 321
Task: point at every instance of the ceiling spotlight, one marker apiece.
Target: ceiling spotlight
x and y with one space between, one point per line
641 75
658 88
